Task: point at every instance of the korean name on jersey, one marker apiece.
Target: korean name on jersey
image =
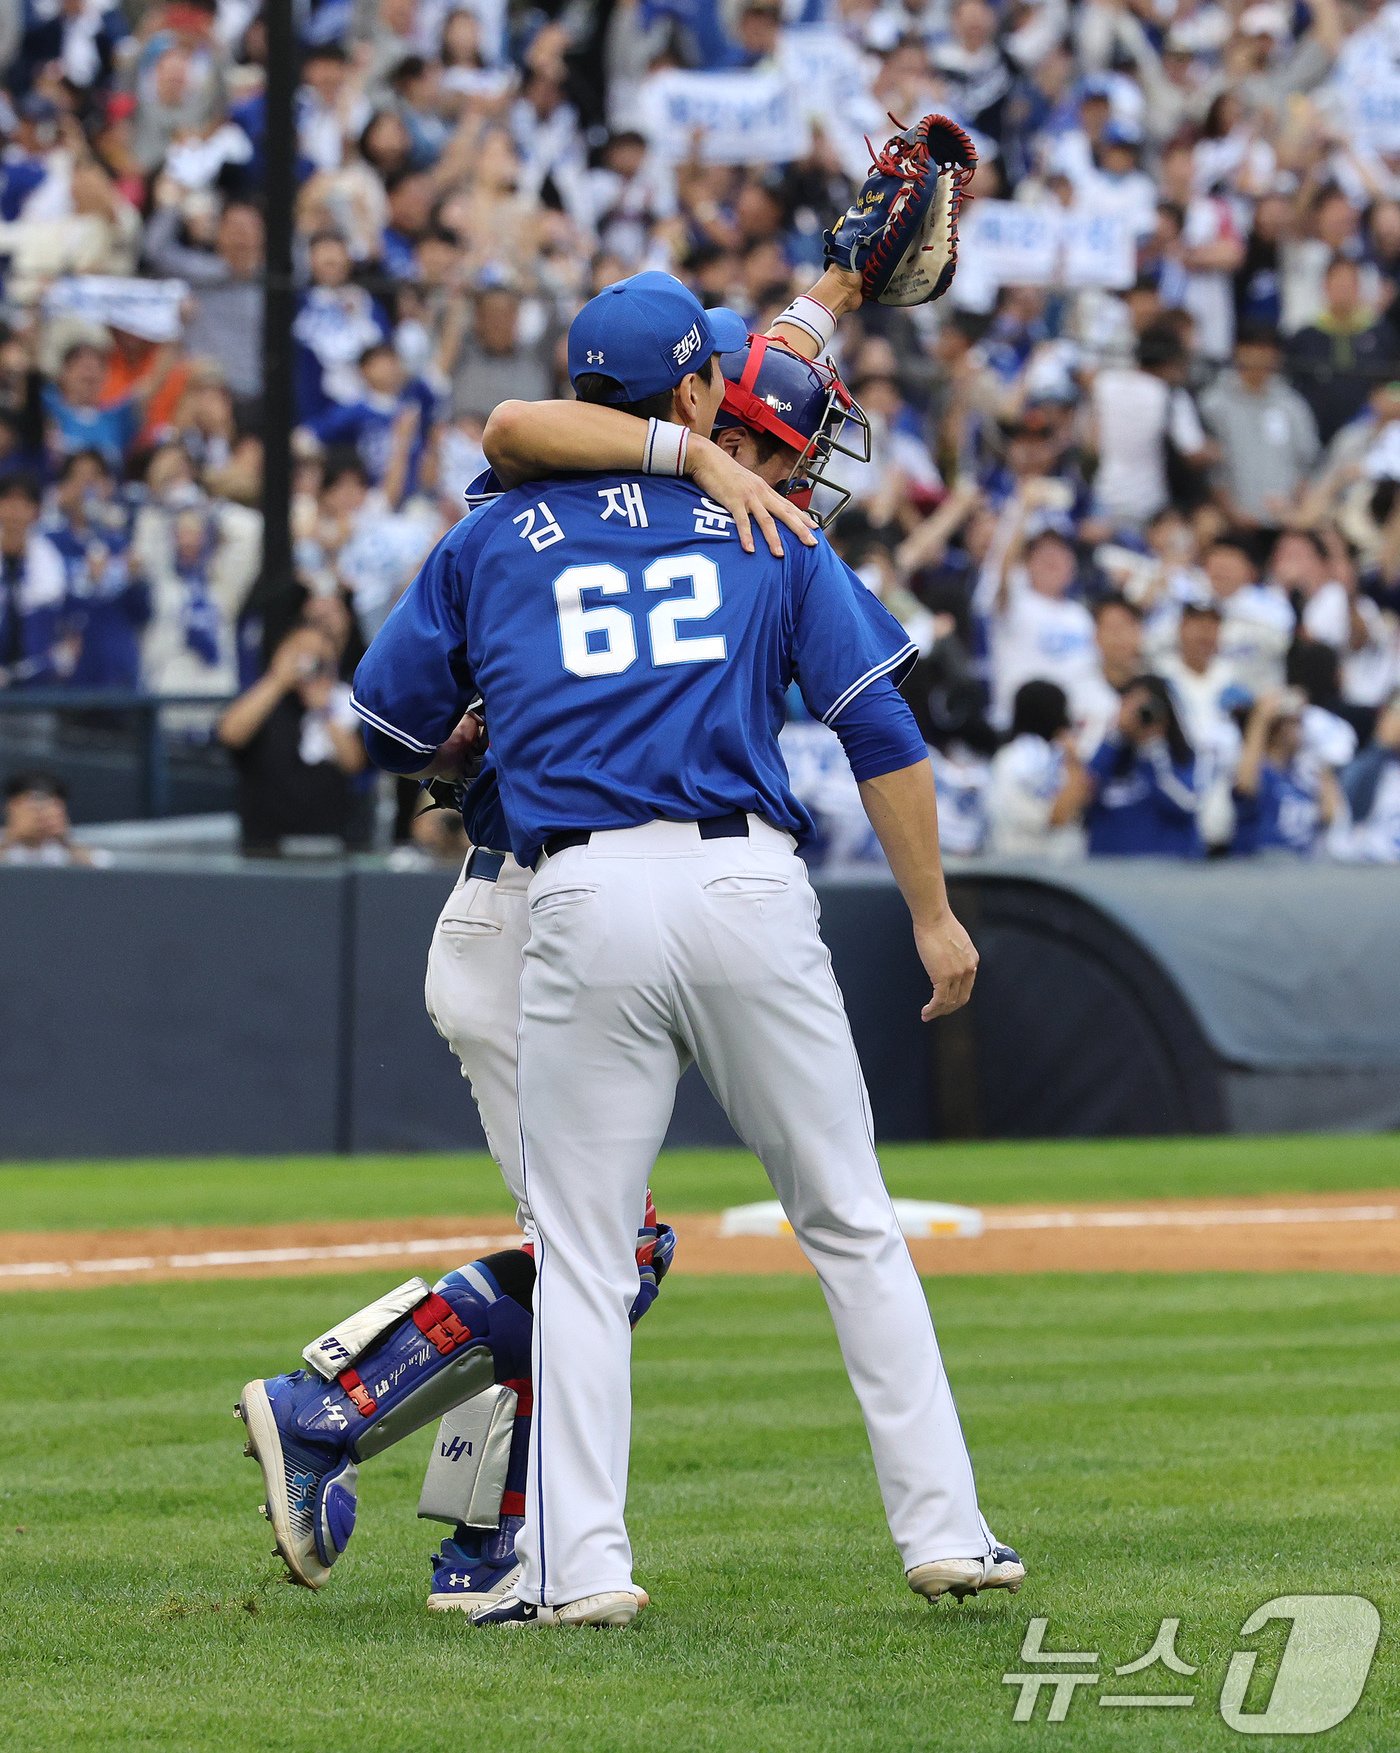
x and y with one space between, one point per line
632 658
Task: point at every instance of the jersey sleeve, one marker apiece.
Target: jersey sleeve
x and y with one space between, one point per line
413 684
843 636
879 733
483 489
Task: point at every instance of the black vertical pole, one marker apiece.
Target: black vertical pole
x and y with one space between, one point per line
279 299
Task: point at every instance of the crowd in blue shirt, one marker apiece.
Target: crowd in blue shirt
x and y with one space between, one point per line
468 174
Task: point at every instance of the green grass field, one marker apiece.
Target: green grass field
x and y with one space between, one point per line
244 1190
1156 1447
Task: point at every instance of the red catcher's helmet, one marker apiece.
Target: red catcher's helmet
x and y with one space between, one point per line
802 403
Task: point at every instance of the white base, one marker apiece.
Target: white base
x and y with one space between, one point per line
919 1219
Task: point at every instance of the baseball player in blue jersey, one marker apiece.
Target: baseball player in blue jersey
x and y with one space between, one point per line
310 1429
633 660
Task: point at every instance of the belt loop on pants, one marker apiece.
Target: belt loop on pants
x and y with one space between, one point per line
485 865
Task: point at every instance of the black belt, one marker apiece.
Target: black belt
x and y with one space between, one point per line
485 865
734 826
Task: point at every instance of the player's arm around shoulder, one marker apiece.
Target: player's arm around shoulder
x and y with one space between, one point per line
531 441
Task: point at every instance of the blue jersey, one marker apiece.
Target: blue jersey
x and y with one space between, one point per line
632 658
483 815
1283 815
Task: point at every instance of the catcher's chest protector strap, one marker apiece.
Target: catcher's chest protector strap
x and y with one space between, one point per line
466 1477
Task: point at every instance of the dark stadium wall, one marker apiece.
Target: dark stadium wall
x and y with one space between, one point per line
280 1009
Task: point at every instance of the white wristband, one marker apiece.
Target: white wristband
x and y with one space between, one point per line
812 317
665 448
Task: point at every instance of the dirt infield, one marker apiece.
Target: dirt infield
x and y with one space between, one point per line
1343 1232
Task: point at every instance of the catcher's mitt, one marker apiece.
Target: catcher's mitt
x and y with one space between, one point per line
900 234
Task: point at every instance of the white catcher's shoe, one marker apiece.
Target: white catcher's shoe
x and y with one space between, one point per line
960 1577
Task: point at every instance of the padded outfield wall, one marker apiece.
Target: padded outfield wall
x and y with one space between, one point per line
219 1007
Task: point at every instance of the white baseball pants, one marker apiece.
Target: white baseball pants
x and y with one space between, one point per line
650 947
472 992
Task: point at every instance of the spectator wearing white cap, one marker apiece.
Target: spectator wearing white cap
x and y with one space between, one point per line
1276 66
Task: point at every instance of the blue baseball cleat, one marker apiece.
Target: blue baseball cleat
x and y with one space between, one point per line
308 1470
383 1372
475 1569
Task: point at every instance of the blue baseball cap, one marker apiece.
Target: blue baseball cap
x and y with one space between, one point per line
649 332
1122 132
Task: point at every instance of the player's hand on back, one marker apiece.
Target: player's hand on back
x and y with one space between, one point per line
455 755
746 498
950 961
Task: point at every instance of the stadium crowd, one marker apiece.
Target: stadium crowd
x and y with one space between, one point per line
1134 486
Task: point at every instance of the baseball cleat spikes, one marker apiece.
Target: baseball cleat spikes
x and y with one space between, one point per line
960 1577
309 1499
947 1576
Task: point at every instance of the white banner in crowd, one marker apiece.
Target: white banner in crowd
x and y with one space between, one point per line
1012 243
149 309
741 118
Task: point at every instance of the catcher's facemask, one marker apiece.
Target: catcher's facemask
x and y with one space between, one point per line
802 403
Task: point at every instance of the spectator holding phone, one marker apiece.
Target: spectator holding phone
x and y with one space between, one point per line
296 745
1145 801
37 829
1285 801
1039 788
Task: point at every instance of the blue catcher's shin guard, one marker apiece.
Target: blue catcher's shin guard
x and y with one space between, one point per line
389 1369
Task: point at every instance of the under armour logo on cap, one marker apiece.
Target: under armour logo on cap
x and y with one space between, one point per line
595 358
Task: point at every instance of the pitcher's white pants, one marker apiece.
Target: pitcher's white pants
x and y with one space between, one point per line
650 947
472 992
